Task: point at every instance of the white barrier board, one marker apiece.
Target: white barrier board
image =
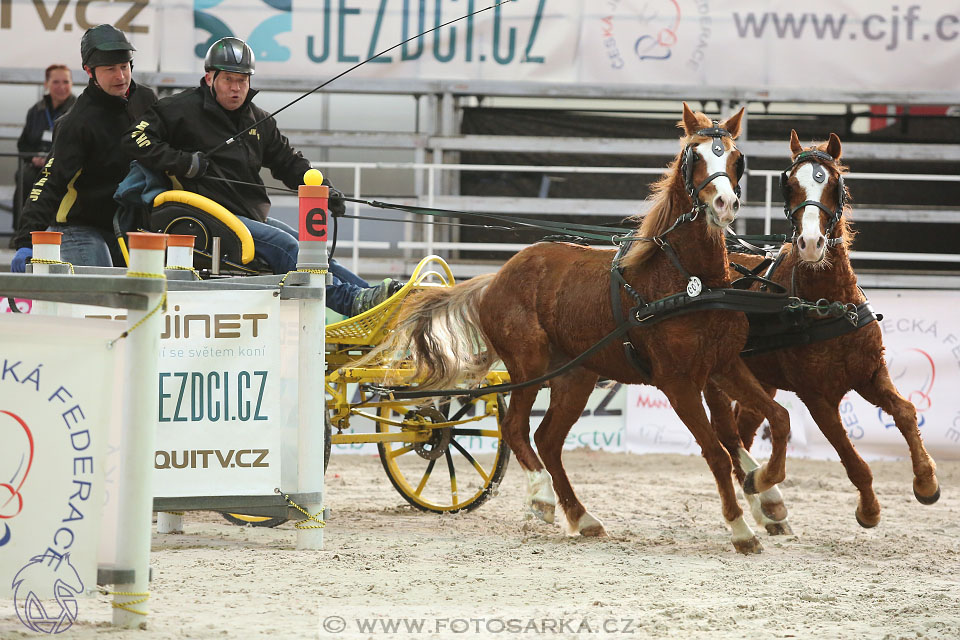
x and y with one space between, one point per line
219 422
56 383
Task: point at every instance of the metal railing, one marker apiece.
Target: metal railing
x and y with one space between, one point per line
431 198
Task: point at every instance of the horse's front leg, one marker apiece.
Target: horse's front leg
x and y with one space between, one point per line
767 507
686 401
881 392
741 385
826 413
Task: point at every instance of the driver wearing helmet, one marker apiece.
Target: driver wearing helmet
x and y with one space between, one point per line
74 194
175 136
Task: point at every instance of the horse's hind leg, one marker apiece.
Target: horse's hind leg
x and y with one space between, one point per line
685 399
723 422
826 413
740 384
568 396
881 392
516 432
767 508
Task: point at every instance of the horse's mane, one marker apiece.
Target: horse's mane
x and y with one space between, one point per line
666 196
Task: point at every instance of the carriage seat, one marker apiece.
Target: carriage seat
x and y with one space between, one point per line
188 213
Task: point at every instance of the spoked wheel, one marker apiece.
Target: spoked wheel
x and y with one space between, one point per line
264 521
459 467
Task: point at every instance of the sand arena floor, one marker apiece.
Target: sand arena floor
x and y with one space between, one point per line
667 570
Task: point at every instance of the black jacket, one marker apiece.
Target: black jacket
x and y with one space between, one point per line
86 163
40 118
193 120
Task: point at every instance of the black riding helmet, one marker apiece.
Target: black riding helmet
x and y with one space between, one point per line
104 45
230 54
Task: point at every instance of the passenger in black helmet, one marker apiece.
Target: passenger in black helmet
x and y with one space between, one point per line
74 194
174 136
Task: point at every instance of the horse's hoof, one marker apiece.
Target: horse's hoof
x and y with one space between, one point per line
927 499
750 483
863 522
779 529
543 510
749 545
776 511
594 531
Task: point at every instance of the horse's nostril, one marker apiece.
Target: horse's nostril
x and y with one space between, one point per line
802 243
820 242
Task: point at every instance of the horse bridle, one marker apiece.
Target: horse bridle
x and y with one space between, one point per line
689 159
819 175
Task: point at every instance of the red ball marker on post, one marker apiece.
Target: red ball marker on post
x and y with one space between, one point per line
313 221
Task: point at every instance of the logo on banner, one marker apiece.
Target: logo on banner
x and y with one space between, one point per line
23 306
263 37
657 25
15 464
913 373
50 616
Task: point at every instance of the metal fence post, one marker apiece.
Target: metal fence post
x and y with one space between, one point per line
312 358
140 408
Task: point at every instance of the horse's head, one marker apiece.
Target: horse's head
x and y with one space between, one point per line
814 196
711 165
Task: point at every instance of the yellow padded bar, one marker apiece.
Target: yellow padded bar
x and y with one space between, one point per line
216 210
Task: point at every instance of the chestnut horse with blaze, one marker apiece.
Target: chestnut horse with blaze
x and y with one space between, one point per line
552 301
816 265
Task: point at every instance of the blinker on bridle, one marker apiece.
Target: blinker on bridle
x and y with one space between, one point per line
819 176
716 133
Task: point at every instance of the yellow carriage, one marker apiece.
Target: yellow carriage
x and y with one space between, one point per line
440 456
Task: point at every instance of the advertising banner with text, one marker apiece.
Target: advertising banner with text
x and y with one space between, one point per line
219 423
846 44
56 383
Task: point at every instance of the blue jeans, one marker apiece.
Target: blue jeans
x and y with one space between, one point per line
277 244
88 246
346 285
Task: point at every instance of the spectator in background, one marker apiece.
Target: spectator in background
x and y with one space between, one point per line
37 135
74 194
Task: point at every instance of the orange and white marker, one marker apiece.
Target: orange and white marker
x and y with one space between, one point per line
180 250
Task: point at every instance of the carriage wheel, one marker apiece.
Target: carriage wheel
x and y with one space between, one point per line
442 475
242 520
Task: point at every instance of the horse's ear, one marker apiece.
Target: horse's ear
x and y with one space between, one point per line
733 123
795 147
834 148
690 122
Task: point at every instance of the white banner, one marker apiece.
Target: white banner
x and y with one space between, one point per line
219 424
921 333
846 45
56 382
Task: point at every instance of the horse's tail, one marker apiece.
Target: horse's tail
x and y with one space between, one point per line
439 331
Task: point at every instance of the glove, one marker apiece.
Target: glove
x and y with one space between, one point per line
335 203
19 263
198 165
